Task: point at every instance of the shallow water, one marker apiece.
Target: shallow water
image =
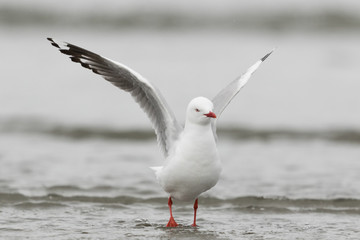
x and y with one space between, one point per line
116 218
59 187
75 152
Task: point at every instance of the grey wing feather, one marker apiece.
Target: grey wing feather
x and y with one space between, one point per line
145 94
224 97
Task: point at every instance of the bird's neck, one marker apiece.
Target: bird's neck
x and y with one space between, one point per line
195 128
197 143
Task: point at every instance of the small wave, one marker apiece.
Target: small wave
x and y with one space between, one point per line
71 188
126 200
261 209
249 204
42 205
39 127
240 133
11 229
160 19
257 203
12 197
333 135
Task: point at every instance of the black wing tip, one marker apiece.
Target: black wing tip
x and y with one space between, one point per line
60 45
267 55
51 40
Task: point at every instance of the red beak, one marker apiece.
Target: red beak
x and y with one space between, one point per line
210 114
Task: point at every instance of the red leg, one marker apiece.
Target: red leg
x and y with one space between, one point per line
171 222
195 209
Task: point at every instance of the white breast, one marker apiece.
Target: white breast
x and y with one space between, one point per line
193 168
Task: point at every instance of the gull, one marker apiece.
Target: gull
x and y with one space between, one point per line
192 164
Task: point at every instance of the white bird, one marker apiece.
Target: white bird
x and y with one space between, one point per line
192 165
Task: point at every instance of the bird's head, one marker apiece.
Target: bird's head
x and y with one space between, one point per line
200 111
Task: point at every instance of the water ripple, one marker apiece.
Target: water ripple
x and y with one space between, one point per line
250 204
239 133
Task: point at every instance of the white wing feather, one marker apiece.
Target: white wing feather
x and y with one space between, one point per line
145 94
224 97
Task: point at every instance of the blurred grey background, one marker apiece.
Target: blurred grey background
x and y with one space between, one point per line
186 48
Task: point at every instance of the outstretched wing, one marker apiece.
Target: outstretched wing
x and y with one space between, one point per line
145 94
224 97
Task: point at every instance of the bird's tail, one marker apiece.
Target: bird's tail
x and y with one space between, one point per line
157 170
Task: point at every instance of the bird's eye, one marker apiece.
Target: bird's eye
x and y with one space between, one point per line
197 110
